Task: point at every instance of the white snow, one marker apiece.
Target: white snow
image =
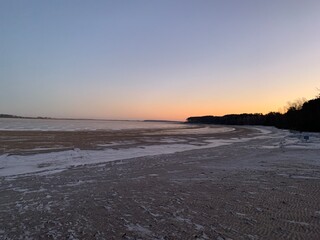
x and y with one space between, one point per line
46 163
138 228
196 130
299 223
53 162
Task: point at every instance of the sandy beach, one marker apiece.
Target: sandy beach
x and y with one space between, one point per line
159 120
248 183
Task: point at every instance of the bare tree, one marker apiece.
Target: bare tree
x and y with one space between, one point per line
296 105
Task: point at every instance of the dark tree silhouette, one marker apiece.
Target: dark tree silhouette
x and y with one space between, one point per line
301 115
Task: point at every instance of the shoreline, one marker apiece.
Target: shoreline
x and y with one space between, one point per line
30 152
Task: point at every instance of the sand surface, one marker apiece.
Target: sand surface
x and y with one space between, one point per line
264 187
31 142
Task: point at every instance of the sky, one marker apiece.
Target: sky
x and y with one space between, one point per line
151 59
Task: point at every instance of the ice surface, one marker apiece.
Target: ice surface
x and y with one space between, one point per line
76 125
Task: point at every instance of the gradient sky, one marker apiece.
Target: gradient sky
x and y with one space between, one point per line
156 59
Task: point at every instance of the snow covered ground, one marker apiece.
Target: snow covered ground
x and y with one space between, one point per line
46 163
250 183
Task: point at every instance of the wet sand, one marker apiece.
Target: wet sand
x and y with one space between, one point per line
246 190
33 142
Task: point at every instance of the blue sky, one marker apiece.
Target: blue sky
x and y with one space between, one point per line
156 59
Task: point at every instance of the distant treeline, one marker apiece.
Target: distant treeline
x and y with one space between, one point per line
14 116
9 116
300 117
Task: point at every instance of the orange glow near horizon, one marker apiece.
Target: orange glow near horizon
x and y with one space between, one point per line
165 60
180 111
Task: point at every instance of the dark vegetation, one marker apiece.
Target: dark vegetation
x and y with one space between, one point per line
9 116
300 116
14 116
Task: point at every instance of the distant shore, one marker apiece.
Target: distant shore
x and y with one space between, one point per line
21 117
51 118
301 116
86 119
